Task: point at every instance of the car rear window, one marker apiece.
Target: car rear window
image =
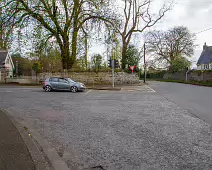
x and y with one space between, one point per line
63 80
53 79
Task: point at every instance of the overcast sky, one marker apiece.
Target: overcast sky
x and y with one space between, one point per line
194 14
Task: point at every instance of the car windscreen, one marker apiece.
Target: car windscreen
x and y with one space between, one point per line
70 80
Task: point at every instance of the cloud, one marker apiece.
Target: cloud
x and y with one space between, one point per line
195 8
194 14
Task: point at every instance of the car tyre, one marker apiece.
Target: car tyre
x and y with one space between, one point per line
74 89
48 88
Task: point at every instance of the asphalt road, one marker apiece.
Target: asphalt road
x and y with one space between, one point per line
129 130
196 99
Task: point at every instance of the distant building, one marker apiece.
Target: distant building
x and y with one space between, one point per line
6 64
205 59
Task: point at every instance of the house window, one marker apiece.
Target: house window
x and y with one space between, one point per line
198 67
206 67
202 66
7 72
210 66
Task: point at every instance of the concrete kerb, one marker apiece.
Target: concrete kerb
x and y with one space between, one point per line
43 156
105 88
116 88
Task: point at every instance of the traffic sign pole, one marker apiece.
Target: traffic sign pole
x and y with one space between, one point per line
144 63
113 83
132 69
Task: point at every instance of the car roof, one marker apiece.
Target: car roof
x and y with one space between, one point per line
47 79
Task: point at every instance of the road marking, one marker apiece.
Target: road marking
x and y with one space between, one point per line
131 90
88 91
8 91
152 90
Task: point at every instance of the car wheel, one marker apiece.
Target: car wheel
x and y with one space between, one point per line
73 89
47 89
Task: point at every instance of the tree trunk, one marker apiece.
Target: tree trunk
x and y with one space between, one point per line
75 32
67 59
74 46
124 51
86 52
65 54
1 31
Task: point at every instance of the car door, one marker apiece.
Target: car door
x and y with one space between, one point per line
54 83
64 84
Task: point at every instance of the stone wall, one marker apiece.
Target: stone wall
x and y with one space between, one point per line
192 76
96 78
21 80
84 77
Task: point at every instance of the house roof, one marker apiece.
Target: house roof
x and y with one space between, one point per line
3 55
206 56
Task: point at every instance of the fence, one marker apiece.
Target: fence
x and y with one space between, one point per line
193 75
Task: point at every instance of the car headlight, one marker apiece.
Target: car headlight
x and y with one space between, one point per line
82 85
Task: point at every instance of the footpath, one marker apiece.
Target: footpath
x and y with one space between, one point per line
14 154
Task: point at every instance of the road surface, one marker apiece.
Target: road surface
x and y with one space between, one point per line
196 99
129 129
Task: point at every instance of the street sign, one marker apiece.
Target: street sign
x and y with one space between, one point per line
132 68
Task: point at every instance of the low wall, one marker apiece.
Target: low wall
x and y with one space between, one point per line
192 76
21 81
84 77
96 78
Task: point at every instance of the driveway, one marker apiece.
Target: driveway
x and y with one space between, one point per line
114 130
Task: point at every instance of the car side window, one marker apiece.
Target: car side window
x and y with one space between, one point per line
53 79
63 81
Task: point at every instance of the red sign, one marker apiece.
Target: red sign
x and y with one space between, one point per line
132 67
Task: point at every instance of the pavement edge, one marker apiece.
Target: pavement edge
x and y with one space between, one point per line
43 156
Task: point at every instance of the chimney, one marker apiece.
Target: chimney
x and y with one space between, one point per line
204 46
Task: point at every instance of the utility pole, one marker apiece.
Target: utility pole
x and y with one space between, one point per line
16 69
187 70
144 63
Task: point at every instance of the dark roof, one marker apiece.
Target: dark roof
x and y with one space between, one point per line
3 55
206 56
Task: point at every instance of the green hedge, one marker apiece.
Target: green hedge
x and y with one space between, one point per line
154 75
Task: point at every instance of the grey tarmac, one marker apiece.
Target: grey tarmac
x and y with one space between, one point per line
114 130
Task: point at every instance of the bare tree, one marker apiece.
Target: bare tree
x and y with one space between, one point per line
168 45
137 18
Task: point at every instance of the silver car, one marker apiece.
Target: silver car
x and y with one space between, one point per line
67 84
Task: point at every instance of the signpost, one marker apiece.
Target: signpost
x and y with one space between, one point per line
132 68
144 63
187 70
113 64
16 69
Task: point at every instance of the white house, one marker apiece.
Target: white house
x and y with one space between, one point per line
6 65
205 59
